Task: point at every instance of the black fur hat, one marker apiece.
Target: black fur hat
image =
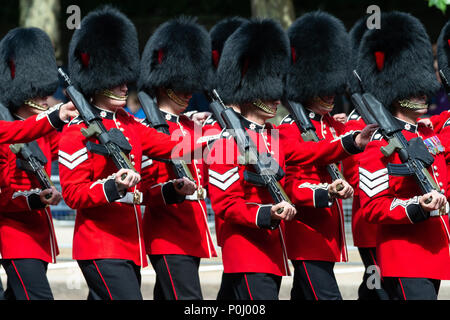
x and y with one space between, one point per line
443 50
320 57
220 32
104 52
28 67
177 56
254 63
396 61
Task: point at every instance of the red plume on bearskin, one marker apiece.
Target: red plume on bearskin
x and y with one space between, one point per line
396 61
104 52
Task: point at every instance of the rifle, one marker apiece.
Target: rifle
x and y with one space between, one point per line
267 171
360 107
30 157
308 132
156 120
413 154
112 143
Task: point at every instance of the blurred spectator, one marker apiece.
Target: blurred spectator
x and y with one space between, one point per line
198 103
133 106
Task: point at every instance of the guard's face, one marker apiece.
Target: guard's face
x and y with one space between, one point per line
415 106
115 99
322 105
420 100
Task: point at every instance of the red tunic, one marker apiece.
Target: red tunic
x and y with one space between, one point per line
404 248
211 132
364 233
26 227
171 226
248 243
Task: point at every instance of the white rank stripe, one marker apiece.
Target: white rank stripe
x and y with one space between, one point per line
223 181
373 183
146 161
72 160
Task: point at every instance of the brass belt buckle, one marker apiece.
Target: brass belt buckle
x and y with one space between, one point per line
137 197
200 193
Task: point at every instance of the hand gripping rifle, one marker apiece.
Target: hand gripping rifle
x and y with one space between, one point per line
308 132
413 154
157 121
30 157
267 171
113 143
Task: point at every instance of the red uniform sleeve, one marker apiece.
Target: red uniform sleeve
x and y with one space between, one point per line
30 129
161 146
310 195
322 152
439 120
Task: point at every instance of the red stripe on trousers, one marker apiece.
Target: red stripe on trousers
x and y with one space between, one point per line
104 282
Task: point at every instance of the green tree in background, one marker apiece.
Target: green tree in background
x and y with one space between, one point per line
440 4
281 10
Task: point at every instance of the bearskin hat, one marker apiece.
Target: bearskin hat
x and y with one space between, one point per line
178 57
254 63
396 61
104 52
220 32
28 66
320 57
443 50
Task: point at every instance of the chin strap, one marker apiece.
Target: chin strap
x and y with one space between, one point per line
35 105
111 95
264 107
408 104
324 104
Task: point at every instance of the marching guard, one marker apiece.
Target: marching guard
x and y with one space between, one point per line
319 69
412 245
250 74
108 237
176 62
27 236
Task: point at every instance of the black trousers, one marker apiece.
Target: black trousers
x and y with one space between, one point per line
177 277
249 286
112 279
314 280
368 290
412 288
27 280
